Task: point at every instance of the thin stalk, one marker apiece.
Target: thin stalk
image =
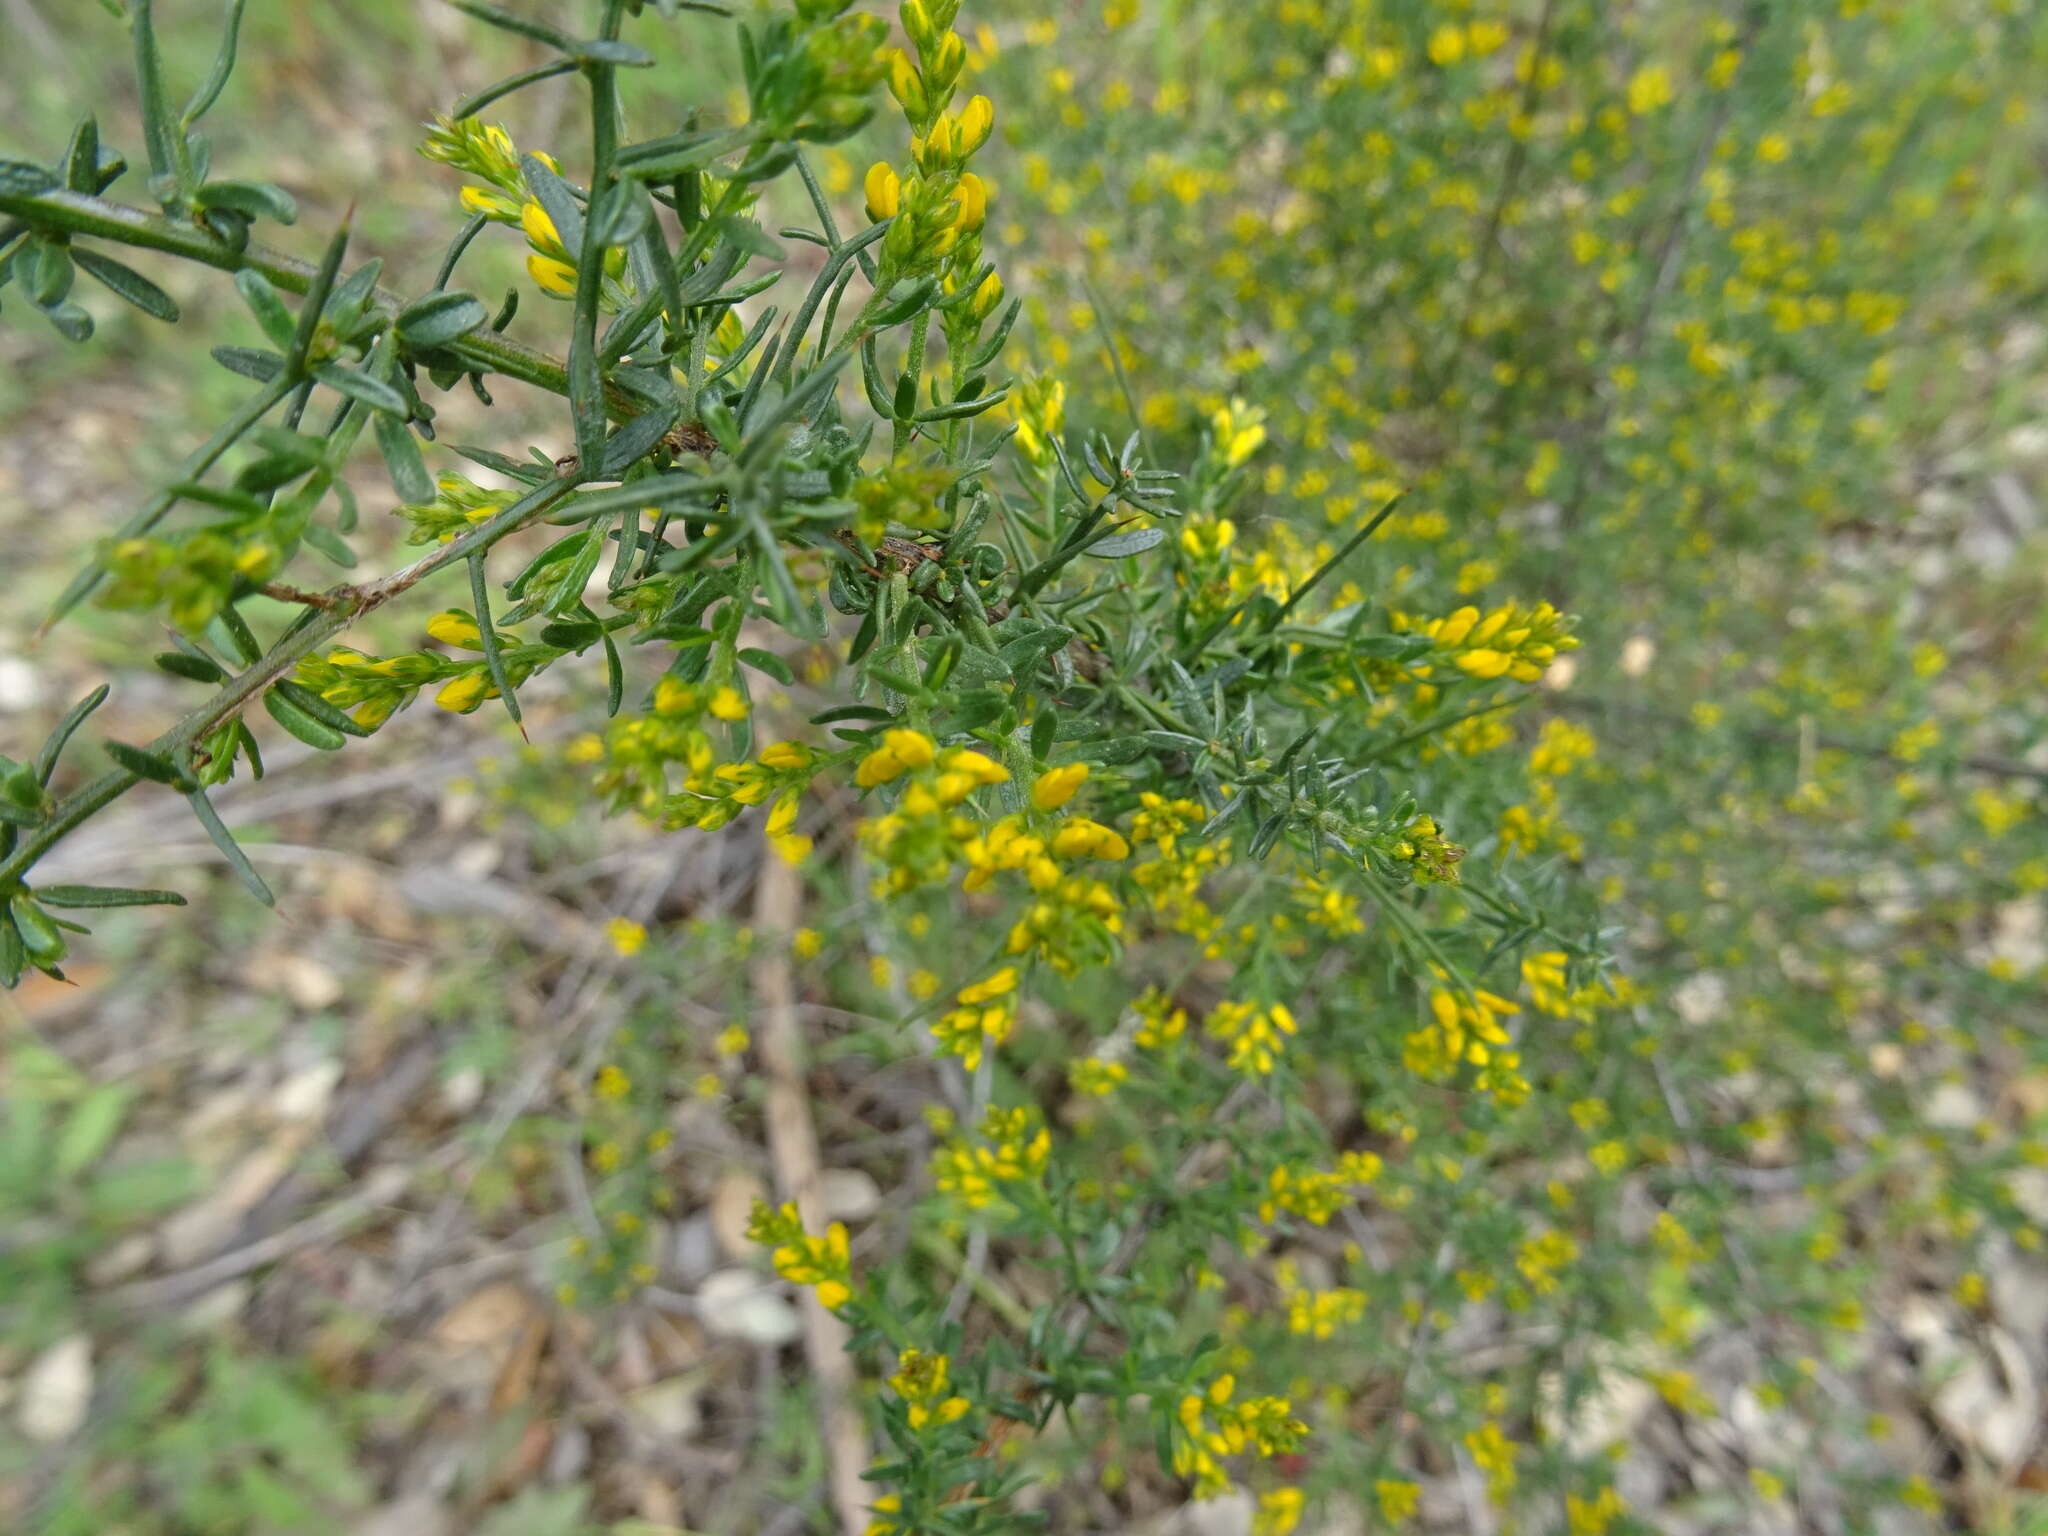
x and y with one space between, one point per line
343 606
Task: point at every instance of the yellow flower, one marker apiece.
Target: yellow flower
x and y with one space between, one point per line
963 771
1056 786
626 935
1649 90
884 192
728 703
492 205
1080 838
900 752
1239 430
989 988
976 119
465 693
1279 1512
920 1380
540 230
552 276
971 193
456 628
807 943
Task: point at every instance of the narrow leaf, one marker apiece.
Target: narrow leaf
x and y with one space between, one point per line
230 850
402 457
494 654
53 748
223 66
302 725
360 387
105 896
262 298
145 765
159 133
129 284
440 318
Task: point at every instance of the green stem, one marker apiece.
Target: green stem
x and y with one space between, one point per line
345 605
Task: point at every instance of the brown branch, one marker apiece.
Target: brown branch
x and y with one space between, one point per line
793 1146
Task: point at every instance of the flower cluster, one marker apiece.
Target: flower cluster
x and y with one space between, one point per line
938 208
1011 1149
1208 1426
1464 1029
821 1263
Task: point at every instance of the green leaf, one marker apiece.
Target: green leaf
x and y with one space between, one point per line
261 295
1134 542
53 748
82 160
769 662
469 106
553 194
496 16
230 850
159 133
20 179
130 285
487 635
363 389
193 668
345 305
147 765
566 590
105 896
91 1126
327 714
236 637
402 457
440 318
223 66
313 733
251 199
71 320
316 298
1024 653
249 362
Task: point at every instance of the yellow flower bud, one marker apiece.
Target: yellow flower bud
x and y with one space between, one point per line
463 694
884 192
971 194
456 628
541 231
1483 663
491 204
907 86
913 749
1084 839
1056 786
728 703
976 120
982 769
551 276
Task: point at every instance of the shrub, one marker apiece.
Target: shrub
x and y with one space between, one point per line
1251 1091
1163 772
